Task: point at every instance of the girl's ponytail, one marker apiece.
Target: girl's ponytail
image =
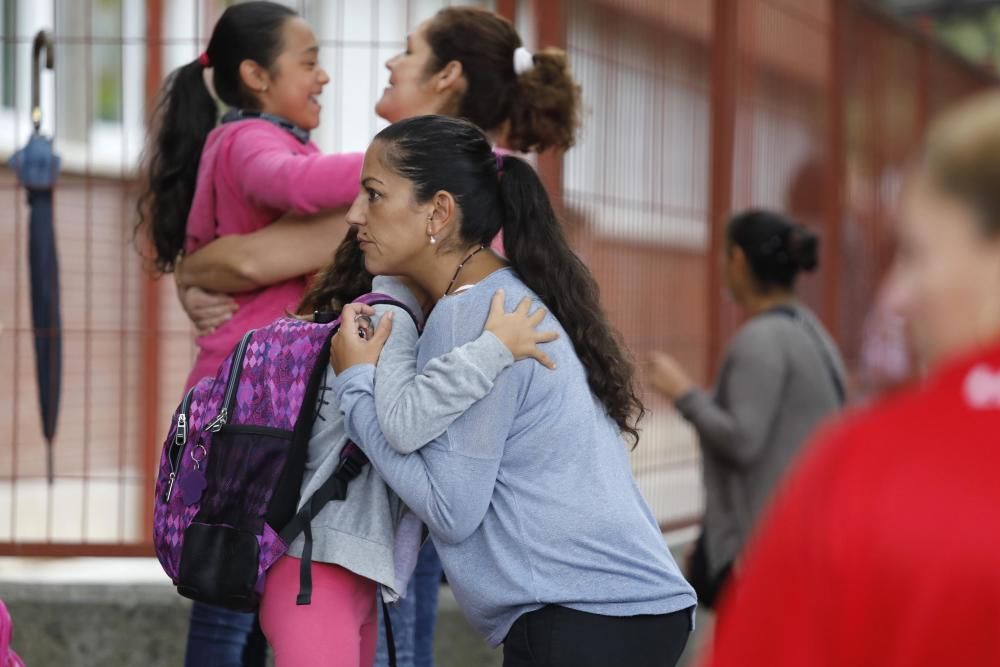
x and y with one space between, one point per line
537 249
184 116
186 113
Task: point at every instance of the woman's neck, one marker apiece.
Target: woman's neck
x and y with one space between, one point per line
761 303
443 275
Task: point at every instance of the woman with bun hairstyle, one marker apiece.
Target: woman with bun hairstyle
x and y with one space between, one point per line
781 376
842 570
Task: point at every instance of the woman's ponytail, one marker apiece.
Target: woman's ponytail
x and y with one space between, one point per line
537 249
545 105
184 116
438 153
533 96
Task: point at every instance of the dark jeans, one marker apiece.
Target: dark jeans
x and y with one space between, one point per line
556 636
218 637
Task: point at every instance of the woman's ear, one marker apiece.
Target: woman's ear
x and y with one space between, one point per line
737 270
449 77
737 257
443 216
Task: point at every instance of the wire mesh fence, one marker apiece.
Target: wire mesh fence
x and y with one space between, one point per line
693 109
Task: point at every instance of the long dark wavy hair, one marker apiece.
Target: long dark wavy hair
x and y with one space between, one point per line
341 282
439 153
186 113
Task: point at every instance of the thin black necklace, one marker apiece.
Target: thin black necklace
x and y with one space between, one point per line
472 254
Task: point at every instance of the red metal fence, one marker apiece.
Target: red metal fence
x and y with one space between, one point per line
695 108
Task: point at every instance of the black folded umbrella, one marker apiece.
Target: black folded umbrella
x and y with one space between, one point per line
37 167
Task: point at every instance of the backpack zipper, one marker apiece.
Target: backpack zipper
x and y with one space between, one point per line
180 439
234 379
249 429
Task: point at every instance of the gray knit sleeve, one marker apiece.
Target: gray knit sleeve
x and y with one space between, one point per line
735 423
415 408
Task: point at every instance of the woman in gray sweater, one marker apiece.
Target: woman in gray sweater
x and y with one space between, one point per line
548 545
781 376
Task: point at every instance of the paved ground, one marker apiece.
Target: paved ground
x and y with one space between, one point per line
121 612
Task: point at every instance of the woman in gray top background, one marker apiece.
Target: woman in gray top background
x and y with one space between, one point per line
781 376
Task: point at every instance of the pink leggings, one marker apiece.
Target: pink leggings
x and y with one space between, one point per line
339 628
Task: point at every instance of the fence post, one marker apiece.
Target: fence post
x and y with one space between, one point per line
836 150
151 321
551 30
725 55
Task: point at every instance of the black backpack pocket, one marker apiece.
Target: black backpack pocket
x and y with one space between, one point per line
219 566
243 470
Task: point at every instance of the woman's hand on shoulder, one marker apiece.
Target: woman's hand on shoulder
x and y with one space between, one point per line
355 343
518 330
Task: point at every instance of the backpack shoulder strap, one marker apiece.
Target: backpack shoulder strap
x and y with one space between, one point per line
831 367
379 299
352 462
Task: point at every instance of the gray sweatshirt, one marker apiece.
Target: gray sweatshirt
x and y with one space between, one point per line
774 388
371 533
528 494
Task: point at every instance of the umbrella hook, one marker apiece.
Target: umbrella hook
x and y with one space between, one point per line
43 40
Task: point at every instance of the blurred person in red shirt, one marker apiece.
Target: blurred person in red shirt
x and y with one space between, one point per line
883 547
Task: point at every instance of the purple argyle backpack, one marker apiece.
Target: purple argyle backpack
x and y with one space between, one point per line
233 462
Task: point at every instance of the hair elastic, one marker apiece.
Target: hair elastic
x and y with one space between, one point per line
524 60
